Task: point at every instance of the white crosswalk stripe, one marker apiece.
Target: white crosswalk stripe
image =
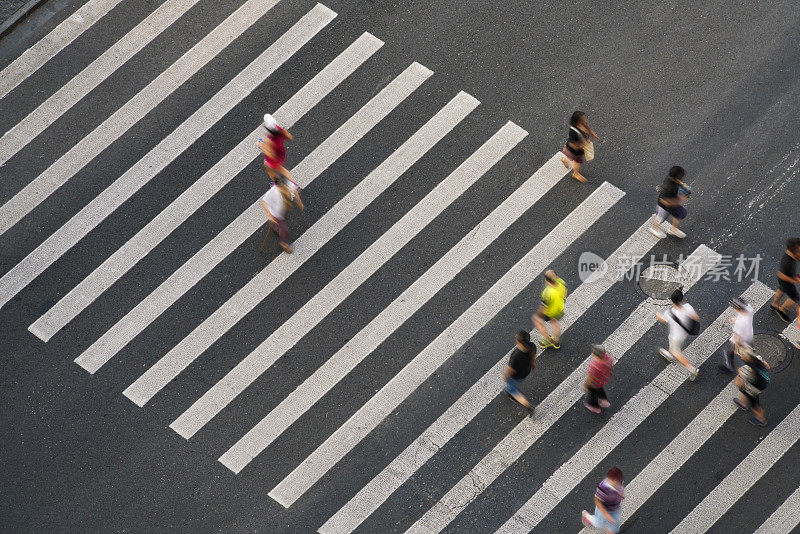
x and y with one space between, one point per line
307 472
51 44
188 202
394 315
744 475
554 406
438 351
132 112
82 84
626 420
422 449
785 519
249 221
332 294
157 159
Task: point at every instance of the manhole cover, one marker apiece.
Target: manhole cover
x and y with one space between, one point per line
774 350
659 281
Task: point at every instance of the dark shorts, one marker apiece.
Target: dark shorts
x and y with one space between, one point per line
547 318
573 153
752 399
789 289
679 212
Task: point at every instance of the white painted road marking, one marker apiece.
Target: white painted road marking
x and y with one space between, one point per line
744 475
82 83
51 44
243 226
441 348
559 401
422 449
154 162
291 331
169 366
625 421
330 224
397 313
195 196
132 112
785 519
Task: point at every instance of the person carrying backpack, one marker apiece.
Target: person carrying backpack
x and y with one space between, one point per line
751 379
683 321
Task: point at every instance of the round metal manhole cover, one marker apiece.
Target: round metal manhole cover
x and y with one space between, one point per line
659 281
776 351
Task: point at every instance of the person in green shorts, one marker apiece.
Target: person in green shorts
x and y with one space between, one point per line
551 310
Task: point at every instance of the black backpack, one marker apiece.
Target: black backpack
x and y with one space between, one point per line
693 328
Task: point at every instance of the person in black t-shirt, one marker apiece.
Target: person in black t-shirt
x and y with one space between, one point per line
788 280
752 379
522 360
673 193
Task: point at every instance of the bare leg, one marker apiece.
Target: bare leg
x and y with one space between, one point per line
540 326
556 331
776 299
787 305
576 172
520 398
682 359
758 411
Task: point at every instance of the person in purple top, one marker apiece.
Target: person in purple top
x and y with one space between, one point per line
607 500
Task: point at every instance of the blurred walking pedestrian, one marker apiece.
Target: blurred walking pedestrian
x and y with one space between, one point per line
520 364
551 310
276 202
742 333
673 193
597 376
579 146
788 281
752 379
607 503
683 321
274 150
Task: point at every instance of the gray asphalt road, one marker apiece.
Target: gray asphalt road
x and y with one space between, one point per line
711 87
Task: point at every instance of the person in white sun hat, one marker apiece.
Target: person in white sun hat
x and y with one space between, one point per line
273 149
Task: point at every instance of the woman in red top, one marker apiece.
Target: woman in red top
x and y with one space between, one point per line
597 377
273 149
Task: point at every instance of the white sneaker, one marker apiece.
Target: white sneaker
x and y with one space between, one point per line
676 232
667 356
658 232
693 374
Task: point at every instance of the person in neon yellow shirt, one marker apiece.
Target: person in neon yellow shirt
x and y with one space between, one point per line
551 310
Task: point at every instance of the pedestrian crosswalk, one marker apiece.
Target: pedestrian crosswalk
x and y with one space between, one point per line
595 214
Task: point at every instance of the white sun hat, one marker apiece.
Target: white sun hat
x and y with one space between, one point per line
270 123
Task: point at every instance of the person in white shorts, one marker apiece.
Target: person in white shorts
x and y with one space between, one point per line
276 202
679 318
742 333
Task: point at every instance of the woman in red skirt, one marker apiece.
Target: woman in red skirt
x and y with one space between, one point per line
273 149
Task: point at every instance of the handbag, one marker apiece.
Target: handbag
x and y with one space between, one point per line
588 151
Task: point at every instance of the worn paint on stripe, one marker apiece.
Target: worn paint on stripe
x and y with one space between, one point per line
625 421
400 310
195 196
558 402
132 111
743 476
243 226
51 44
438 351
291 331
